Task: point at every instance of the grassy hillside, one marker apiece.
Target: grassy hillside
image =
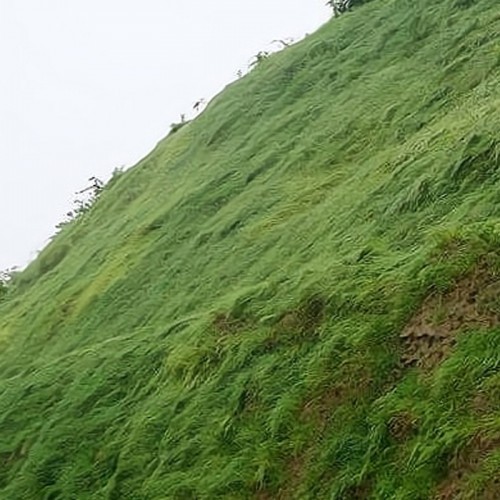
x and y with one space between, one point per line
296 295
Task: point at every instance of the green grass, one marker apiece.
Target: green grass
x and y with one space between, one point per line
225 321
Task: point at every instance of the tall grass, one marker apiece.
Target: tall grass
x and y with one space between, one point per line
225 322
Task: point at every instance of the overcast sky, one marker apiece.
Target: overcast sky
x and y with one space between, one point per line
90 85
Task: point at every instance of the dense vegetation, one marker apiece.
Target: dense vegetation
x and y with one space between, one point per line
293 296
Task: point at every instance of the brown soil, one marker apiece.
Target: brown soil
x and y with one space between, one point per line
226 325
305 319
432 332
360 492
402 425
295 468
491 491
467 461
320 408
263 495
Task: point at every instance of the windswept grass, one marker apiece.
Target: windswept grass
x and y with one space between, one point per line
226 321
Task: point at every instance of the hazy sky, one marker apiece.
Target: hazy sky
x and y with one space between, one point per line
90 85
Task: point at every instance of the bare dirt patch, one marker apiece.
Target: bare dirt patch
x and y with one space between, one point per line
432 332
263 495
295 470
227 325
319 408
362 491
305 319
467 461
402 425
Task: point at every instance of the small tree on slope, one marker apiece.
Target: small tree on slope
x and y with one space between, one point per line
341 6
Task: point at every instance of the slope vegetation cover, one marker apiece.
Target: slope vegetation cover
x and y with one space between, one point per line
296 295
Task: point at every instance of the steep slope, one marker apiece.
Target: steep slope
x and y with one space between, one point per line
293 296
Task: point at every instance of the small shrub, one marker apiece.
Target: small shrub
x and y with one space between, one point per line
175 127
258 58
85 201
6 278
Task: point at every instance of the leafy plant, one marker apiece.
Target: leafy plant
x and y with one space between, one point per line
84 201
175 127
259 58
341 6
4 278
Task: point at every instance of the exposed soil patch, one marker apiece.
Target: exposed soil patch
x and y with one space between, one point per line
320 408
227 325
402 425
354 384
491 490
263 495
305 319
483 402
467 461
360 492
295 469
432 332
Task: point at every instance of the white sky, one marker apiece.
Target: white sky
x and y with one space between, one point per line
90 85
